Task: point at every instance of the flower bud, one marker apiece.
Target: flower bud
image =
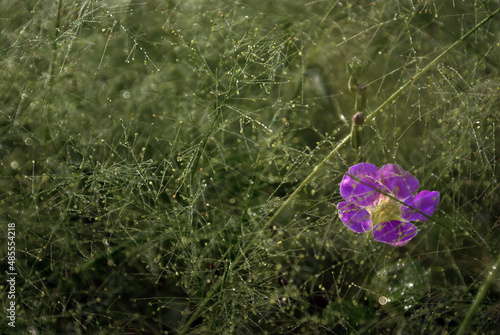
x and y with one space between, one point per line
358 118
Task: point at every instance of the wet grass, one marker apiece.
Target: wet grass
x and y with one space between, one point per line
174 167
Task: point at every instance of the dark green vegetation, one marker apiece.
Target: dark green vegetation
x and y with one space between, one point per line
145 147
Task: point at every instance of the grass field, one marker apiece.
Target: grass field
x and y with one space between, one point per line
173 167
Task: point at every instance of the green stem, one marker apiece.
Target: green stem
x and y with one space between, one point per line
464 326
429 66
52 68
201 147
215 287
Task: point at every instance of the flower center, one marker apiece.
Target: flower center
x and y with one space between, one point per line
386 209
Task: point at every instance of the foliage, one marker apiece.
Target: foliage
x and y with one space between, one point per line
145 147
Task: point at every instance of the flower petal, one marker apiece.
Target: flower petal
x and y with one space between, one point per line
400 182
425 202
395 233
363 188
355 218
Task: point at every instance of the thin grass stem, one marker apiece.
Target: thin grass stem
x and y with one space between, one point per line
492 276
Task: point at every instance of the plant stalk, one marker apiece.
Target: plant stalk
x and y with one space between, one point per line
464 326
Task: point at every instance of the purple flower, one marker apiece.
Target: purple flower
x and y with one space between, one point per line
384 201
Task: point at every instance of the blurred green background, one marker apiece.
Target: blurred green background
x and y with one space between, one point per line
144 147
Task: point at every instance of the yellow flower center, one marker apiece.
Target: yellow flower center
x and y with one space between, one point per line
387 209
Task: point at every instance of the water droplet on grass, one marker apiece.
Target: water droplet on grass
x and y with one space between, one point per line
382 300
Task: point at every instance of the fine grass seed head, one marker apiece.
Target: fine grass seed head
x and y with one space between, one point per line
184 167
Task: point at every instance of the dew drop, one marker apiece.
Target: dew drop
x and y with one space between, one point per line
382 300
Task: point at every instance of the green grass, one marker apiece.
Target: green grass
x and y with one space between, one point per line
174 167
